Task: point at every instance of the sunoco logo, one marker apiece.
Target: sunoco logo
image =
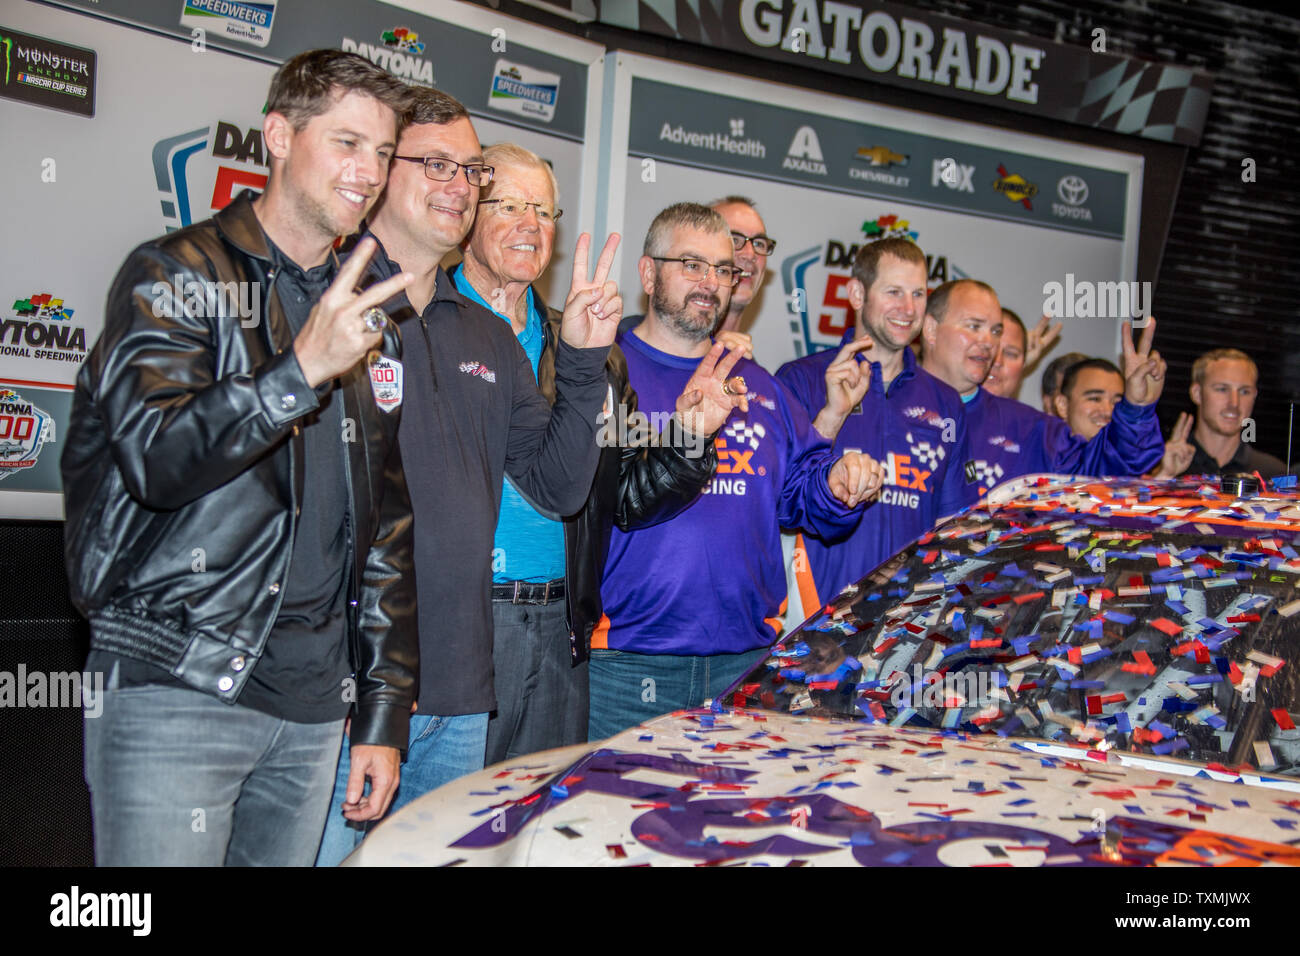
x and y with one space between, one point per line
396 53
42 329
197 181
24 430
1015 187
1073 191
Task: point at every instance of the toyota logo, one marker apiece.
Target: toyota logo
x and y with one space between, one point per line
1072 190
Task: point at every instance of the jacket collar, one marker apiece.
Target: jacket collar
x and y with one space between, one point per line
240 227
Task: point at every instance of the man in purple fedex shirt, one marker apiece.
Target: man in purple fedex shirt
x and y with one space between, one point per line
963 326
690 603
899 414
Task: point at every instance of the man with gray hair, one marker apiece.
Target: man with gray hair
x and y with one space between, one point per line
547 569
752 246
692 602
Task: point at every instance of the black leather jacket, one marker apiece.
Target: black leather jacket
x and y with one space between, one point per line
182 481
634 487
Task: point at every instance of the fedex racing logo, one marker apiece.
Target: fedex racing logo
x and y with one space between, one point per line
908 476
736 446
983 473
200 172
817 281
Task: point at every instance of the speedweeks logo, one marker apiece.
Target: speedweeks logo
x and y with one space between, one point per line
41 328
521 89
201 171
233 19
816 282
24 430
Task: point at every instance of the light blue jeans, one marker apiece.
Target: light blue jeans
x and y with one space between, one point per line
179 778
629 688
441 749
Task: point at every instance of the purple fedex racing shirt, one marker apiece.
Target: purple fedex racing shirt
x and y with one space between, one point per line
916 429
1009 439
709 580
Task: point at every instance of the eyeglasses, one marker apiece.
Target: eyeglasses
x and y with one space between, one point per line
444 170
763 245
697 269
516 208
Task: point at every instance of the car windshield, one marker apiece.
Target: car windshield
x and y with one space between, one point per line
1153 618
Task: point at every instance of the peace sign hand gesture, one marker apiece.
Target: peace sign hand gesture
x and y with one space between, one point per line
1144 369
593 308
335 336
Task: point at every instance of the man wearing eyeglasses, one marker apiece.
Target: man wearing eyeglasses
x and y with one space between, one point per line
692 602
753 245
472 413
546 581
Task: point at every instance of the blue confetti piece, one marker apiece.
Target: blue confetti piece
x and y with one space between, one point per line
1119 618
558 791
1198 679
1162 727
1122 723
1134 809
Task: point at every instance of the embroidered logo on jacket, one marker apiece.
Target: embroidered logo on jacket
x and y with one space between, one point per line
921 413
1002 441
479 370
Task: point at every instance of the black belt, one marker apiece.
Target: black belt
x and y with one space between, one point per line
524 592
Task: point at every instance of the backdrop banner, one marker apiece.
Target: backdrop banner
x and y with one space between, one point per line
177 134
829 174
969 61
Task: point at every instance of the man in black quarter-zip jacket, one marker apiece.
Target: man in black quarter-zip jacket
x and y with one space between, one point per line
472 413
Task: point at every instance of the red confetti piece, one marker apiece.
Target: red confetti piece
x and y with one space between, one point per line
1094 704
617 852
1135 581
1234 672
1243 619
1075 655
1272 669
1164 559
1168 626
1026 598
991 642
1113 698
929 557
1283 718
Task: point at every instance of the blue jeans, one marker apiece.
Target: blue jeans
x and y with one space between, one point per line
629 688
179 778
441 749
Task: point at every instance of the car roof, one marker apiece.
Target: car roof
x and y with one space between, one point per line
1158 618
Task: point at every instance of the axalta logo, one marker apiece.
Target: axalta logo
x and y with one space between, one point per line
201 172
816 283
733 141
805 153
736 447
398 53
478 370
1073 192
24 430
878 160
1015 187
42 328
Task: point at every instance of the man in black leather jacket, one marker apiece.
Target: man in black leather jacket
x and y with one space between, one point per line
238 524
547 572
